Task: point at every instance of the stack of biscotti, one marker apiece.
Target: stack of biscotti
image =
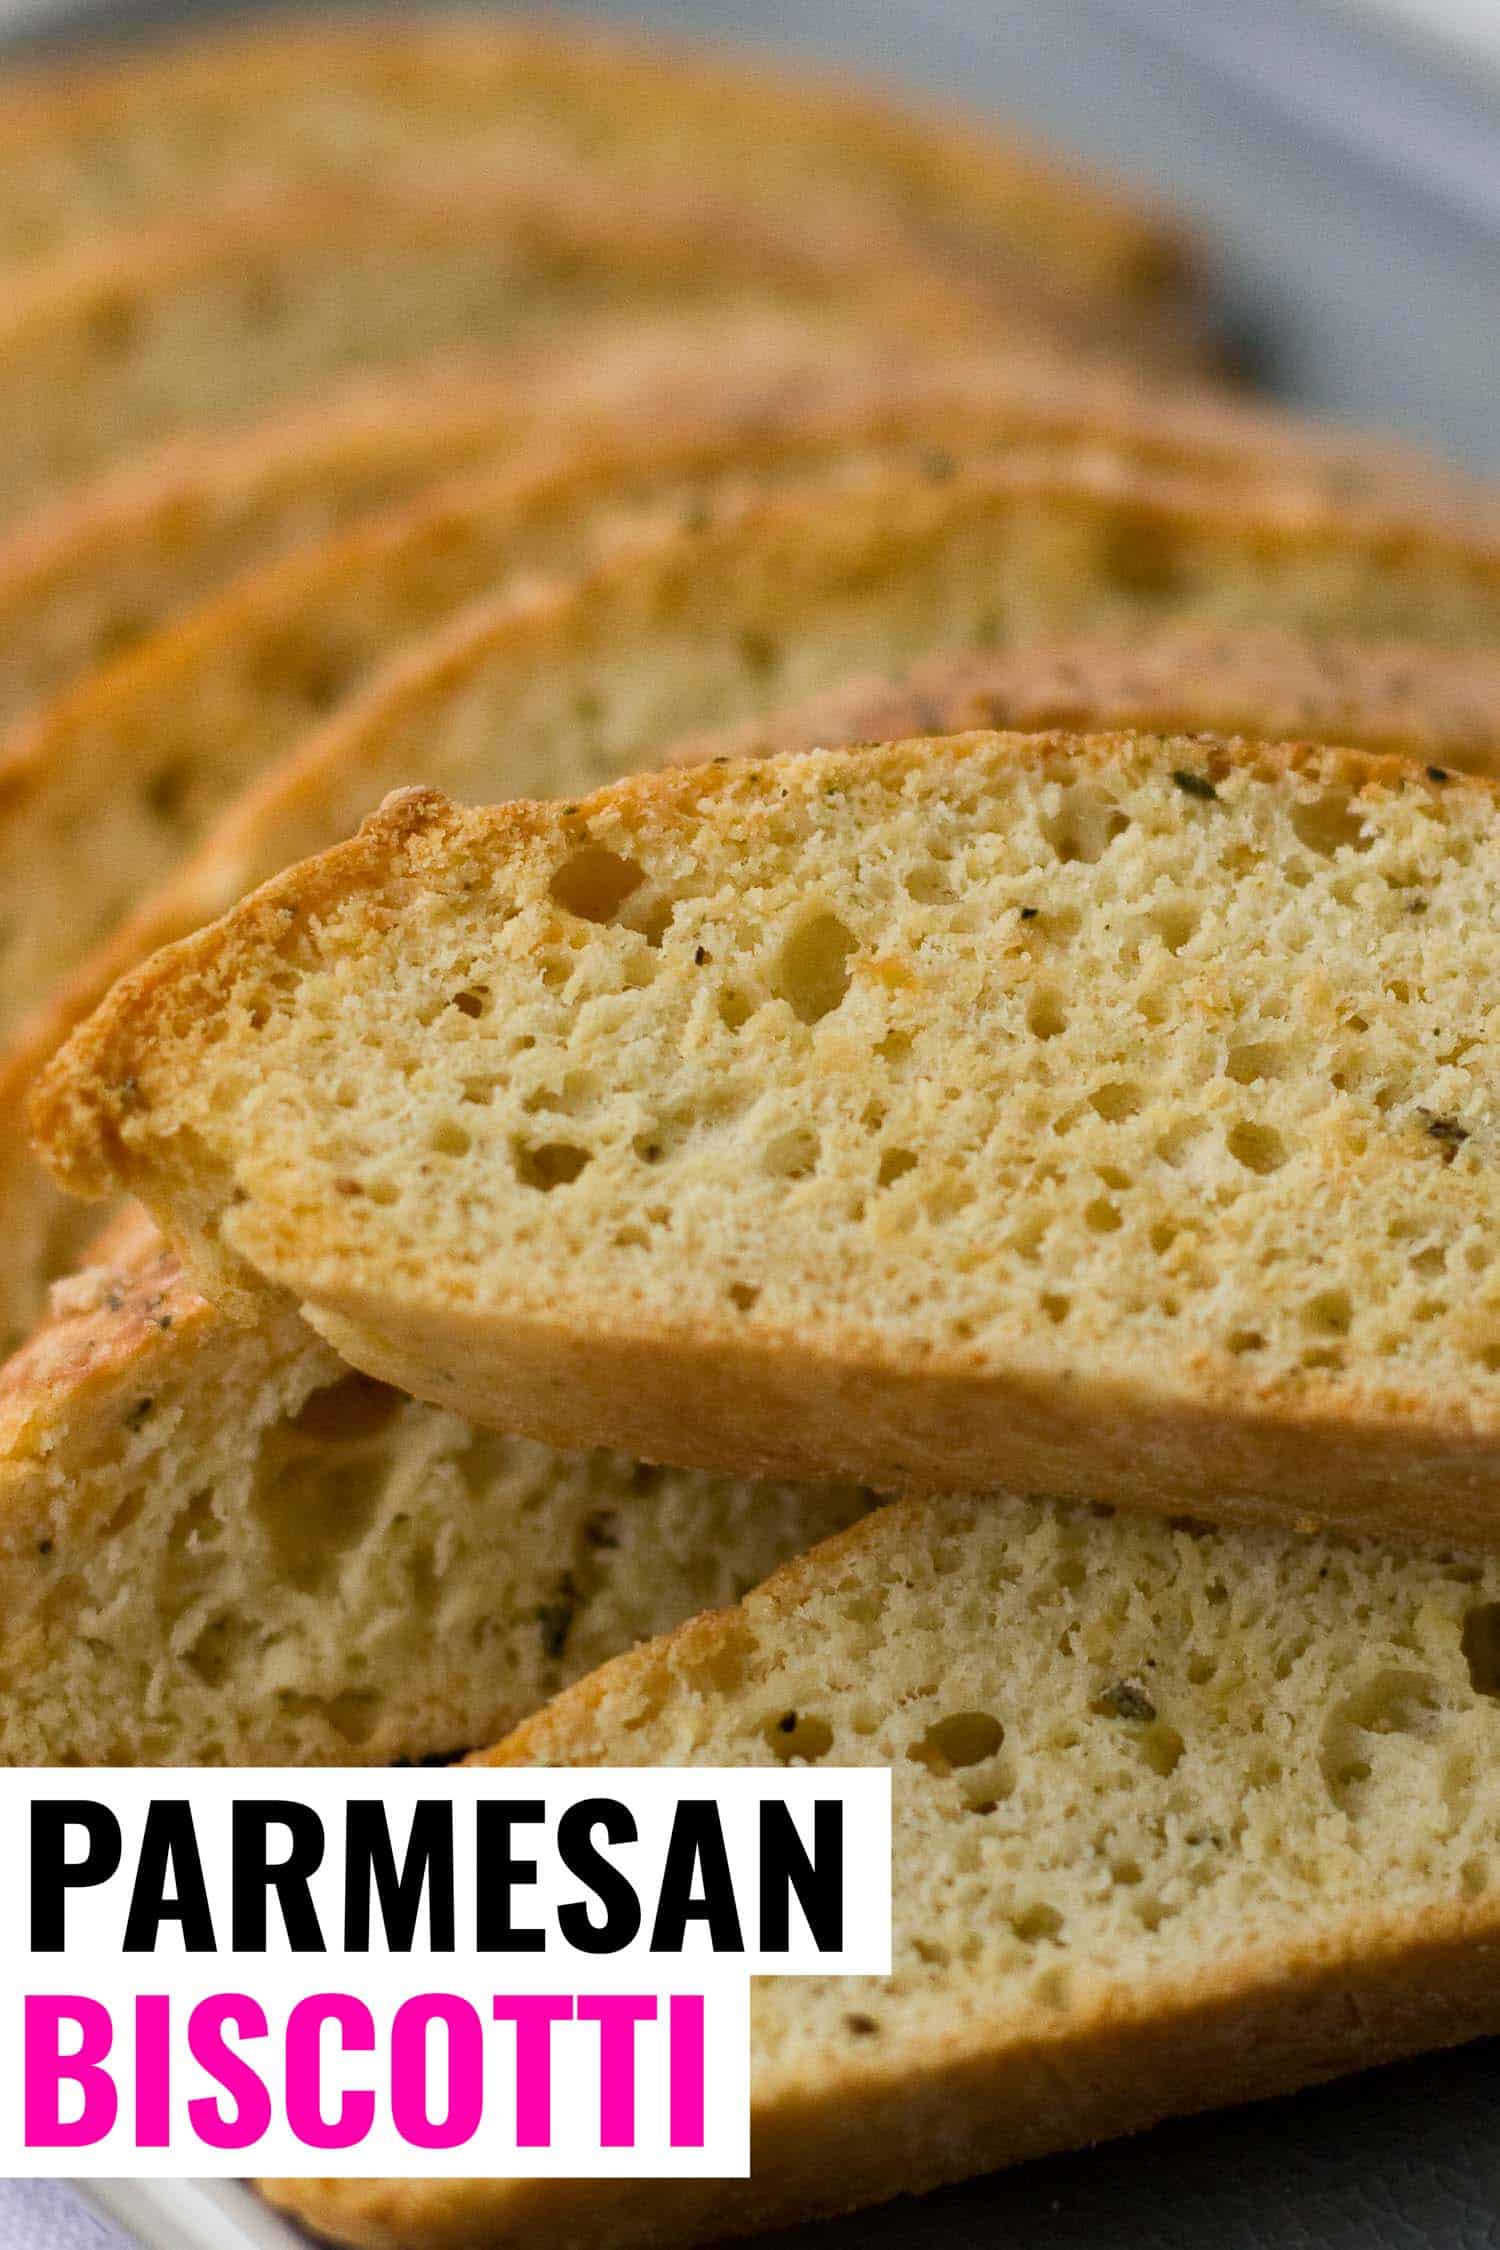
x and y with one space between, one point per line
1102 1114
219 1547
1106 1115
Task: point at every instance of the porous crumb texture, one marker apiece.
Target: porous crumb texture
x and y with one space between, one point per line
219 1546
717 620
1155 1789
1130 1069
87 148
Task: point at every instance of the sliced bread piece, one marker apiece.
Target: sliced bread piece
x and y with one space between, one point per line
1105 1114
1182 1817
86 147
210 321
217 1546
109 563
714 624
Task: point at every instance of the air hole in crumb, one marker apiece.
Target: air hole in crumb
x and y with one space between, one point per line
1328 823
812 974
1117 1100
1033 1924
1260 1148
1045 1018
1242 1340
742 1296
551 1164
793 1734
930 886
1102 1217
792 1155
346 1412
861 2026
449 1139
1255 1059
1174 925
894 1165
1330 1313
1085 827
1056 1308
594 884
1390 1702
471 1003
735 1009
961 1739
1481 1646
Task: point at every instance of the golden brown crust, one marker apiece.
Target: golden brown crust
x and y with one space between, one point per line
105 1323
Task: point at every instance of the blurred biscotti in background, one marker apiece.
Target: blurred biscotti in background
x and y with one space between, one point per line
303 106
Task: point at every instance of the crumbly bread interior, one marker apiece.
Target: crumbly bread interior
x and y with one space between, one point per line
219 1547
89 149
1141 1773
1148 1071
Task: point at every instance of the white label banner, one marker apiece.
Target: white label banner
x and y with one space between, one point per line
475 1971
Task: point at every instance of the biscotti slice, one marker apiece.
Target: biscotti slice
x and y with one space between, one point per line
1181 1817
88 147
210 321
217 1546
1093 1114
1424 703
722 620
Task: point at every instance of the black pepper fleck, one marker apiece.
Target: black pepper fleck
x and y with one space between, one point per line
1196 785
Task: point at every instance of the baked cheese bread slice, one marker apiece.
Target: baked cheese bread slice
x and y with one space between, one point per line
717 620
217 1546
90 146
1181 1817
1095 1114
208 321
